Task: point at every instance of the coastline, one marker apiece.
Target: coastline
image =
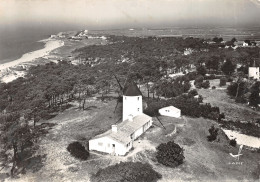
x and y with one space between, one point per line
8 75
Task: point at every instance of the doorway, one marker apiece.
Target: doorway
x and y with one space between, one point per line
113 148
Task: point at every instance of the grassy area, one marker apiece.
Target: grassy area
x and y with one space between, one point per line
204 161
233 111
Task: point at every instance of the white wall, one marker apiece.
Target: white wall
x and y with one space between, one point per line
169 112
132 105
138 132
106 146
141 130
253 72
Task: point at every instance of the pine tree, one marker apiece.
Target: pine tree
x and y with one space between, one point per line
254 97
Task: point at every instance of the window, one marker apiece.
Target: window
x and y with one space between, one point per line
137 98
138 109
100 143
108 145
125 98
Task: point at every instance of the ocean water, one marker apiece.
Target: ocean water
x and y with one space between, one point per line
16 40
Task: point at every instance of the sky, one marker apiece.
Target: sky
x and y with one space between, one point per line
130 13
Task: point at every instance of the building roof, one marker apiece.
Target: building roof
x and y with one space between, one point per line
132 90
171 108
125 129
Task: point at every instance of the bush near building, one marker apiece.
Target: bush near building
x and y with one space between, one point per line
205 84
127 172
77 150
170 154
213 133
222 81
233 142
192 93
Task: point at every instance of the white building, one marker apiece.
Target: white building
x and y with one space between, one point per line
253 72
119 139
132 101
170 111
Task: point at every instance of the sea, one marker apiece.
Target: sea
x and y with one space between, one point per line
16 41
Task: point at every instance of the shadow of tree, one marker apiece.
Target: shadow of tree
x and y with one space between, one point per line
90 107
34 163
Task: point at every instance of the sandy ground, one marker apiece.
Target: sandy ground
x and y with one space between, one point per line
243 139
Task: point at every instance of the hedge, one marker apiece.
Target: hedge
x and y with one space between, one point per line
127 172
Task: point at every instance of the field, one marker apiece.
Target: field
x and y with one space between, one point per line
204 161
232 110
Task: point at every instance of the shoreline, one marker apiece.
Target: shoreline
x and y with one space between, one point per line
8 75
50 44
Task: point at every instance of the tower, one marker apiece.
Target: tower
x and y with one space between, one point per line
132 101
253 72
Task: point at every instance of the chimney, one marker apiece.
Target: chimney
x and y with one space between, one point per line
114 128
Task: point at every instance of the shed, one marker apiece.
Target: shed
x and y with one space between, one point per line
170 111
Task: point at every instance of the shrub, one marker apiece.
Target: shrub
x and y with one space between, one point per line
258 120
213 87
205 84
213 133
191 75
77 150
241 99
221 116
233 142
222 81
192 93
200 99
237 90
199 79
230 79
228 67
154 106
170 154
201 70
128 172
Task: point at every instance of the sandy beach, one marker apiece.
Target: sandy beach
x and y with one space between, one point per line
7 75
